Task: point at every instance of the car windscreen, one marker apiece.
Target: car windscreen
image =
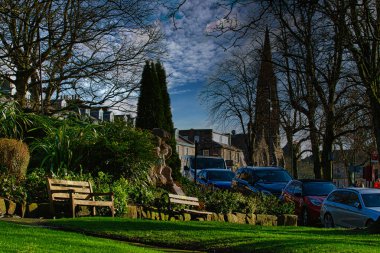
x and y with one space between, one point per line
205 163
318 188
272 176
220 175
371 199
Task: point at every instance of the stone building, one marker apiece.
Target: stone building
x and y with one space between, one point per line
211 143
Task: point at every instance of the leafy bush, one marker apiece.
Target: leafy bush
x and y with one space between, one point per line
35 186
222 201
11 187
269 204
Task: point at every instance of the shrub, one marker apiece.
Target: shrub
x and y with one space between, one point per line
220 201
35 186
14 156
10 187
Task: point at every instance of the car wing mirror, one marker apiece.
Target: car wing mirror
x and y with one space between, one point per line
357 205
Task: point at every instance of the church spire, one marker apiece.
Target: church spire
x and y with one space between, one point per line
267 117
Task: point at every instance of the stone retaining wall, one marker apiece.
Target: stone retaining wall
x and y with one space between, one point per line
240 218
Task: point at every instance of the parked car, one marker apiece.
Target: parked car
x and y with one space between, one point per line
219 178
351 207
307 196
268 180
203 162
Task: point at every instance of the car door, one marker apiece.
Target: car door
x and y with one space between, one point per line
353 215
297 197
335 206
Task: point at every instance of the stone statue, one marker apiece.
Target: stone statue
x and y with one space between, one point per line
162 174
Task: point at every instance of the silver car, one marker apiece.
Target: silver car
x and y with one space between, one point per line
351 207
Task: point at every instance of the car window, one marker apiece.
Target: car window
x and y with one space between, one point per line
245 175
352 198
337 197
290 188
297 189
220 175
272 175
371 199
205 163
318 188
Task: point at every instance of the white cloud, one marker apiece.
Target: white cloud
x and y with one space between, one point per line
191 53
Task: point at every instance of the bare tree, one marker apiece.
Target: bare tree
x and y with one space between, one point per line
360 23
230 95
88 48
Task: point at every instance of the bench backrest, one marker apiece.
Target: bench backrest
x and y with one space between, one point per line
180 199
82 189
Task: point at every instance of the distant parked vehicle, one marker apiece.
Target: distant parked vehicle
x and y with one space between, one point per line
203 162
351 207
307 196
218 178
267 180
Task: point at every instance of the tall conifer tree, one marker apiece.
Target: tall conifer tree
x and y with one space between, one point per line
150 106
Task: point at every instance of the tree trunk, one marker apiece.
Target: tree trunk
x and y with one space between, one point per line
375 107
21 84
315 149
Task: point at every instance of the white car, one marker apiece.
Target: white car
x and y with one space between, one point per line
351 207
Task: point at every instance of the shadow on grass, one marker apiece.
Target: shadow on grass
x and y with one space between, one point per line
224 237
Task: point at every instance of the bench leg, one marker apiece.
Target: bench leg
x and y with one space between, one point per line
93 211
73 209
112 211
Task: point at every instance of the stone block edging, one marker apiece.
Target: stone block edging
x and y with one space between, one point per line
142 212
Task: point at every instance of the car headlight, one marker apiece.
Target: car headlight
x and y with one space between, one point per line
315 202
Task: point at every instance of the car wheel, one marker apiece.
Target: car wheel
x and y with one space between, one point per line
305 217
369 223
328 221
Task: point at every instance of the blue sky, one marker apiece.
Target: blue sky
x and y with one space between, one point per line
191 58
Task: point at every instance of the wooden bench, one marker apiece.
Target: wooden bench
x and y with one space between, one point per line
186 200
76 193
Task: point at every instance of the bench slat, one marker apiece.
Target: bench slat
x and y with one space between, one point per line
93 203
185 202
76 189
196 211
68 182
174 196
67 196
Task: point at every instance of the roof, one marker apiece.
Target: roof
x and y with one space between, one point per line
363 190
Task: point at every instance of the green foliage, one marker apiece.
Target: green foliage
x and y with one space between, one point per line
220 201
14 156
80 146
13 121
269 204
150 112
35 186
11 187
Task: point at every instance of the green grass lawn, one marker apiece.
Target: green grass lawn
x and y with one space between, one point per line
21 238
227 237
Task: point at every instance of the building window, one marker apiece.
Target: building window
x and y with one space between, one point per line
196 138
206 152
187 151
